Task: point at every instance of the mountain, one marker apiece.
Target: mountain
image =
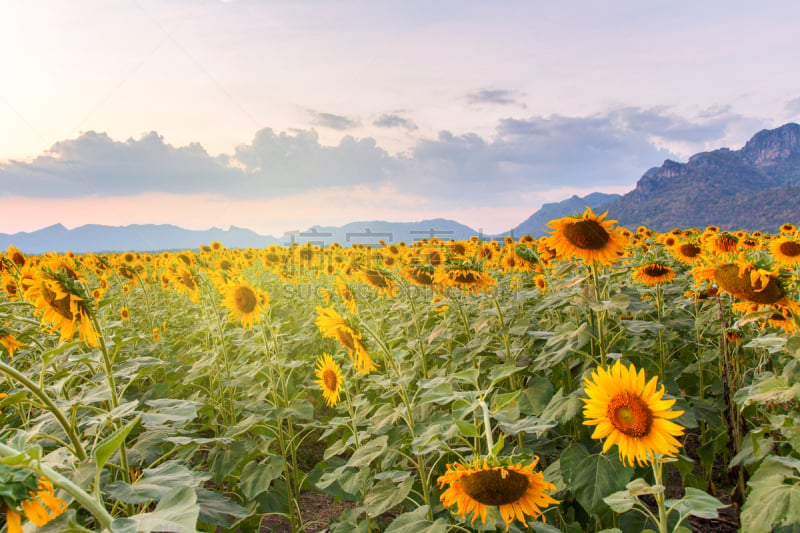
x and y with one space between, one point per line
153 237
135 237
536 224
754 188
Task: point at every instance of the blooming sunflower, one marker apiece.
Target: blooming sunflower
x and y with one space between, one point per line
26 493
786 251
243 301
465 275
653 274
9 341
418 274
329 379
378 279
688 253
758 288
331 324
587 237
63 304
347 296
630 412
515 489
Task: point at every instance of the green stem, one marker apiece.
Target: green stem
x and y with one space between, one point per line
77 447
658 470
487 427
600 315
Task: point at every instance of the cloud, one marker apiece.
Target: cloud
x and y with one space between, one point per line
93 163
329 120
524 156
793 106
394 121
494 96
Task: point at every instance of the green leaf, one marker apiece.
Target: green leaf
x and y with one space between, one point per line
417 521
621 501
592 477
217 510
385 494
768 506
168 413
176 512
500 373
155 483
103 451
536 396
562 408
368 452
256 477
531 424
697 503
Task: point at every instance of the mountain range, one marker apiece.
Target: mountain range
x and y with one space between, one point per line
754 188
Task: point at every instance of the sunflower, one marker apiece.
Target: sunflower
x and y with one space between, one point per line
243 301
587 237
419 274
788 228
124 313
378 279
653 274
62 303
331 324
465 275
346 295
26 493
786 251
722 243
631 413
329 379
688 253
9 342
756 287
515 489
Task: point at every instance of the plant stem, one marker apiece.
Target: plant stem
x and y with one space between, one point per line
77 447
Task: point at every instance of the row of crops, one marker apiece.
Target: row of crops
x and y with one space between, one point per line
595 379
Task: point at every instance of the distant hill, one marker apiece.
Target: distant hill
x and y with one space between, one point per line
755 188
153 237
536 224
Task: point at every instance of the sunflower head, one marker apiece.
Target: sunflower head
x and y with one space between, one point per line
329 379
516 490
588 237
653 274
630 412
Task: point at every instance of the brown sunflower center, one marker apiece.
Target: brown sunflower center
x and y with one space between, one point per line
466 276
188 281
790 248
495 487
245 299
630 414
587 234
656 270
330 379
727 276
60 305
376 279
421 276
690 250
434 258
347 338
225 264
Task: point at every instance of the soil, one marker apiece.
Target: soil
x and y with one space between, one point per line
318 511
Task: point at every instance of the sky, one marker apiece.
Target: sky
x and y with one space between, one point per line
276 115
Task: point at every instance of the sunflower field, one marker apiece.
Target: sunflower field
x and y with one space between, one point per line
595 379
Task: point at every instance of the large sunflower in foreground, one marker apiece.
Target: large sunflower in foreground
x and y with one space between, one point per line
329 379
516 490
331 324
244 302
628 411
587 237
